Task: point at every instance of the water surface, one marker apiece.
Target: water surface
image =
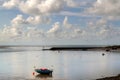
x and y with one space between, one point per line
19 63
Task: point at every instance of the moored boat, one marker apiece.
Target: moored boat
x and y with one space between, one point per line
44 71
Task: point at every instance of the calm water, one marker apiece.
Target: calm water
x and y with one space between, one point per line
18 64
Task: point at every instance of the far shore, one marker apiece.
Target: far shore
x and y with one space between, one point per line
111 78
69 47
85 48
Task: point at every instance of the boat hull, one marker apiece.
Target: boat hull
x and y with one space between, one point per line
43 71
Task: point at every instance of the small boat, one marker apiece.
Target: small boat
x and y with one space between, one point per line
44 71
103 54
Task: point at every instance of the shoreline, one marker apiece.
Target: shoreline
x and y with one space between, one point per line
111 78
85 48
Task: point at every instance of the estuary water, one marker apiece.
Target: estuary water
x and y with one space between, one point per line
19 63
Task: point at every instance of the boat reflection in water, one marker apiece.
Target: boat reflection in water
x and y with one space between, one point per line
44 76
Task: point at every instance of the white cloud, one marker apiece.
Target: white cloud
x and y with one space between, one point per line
11 4
98 31
102 30
34 20
37 20
78 33
11 32
34 33
109 32
19 30
38 7
55 28
19 33
65 30
57 31
106 7
72 3
18 20
66 24
51 6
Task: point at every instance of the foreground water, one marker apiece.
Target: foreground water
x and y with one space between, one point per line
19 63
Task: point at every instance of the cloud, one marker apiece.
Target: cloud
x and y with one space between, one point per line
41 7
55 28
66 24
34 33
19 28
65 30
106 7
11 4
95 31
109 33
38 7
103 30
72 3
11 32
18 20
38 20
57 31
21 33
40 11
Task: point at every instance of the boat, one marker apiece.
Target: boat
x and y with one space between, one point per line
44 71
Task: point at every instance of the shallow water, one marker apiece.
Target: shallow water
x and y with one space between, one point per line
67 65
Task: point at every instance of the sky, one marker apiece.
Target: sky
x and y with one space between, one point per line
60 22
